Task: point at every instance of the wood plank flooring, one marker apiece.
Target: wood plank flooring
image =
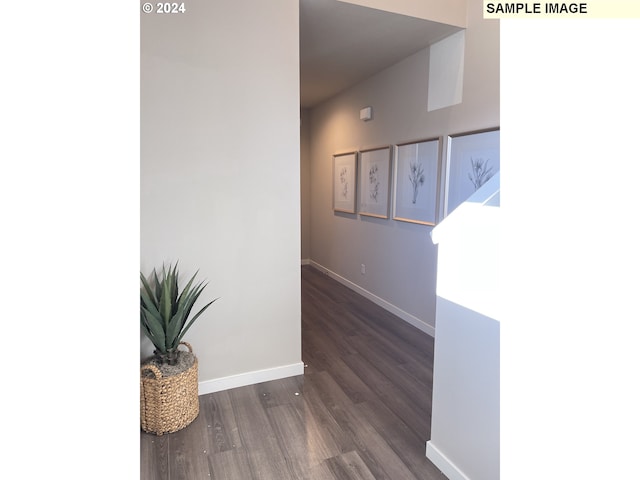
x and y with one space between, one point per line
361 411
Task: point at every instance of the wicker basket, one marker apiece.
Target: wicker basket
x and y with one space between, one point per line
168 404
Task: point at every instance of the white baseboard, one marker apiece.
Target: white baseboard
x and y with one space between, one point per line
407 317
250 378
445 465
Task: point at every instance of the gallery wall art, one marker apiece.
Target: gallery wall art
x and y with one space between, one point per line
375 176
417 171
472 159
418 182
345 167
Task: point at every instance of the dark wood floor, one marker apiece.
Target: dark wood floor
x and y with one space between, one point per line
361 410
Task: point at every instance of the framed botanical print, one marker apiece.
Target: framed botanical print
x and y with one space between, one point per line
375 176
344 182
417 171
472 159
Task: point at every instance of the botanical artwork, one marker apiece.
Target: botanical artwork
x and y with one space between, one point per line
472 160
374 183
416 177
480 172
416 186
375 165
344 182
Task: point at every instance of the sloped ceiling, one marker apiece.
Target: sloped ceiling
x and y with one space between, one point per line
342 44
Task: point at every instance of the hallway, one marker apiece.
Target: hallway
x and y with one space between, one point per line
361 411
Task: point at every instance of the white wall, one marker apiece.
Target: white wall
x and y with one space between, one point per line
465 415
220 176
399 257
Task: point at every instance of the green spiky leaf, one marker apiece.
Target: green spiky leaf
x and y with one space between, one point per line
165 310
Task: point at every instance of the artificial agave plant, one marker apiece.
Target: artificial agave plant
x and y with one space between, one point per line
164 310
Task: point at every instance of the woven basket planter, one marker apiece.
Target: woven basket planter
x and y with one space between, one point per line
168 403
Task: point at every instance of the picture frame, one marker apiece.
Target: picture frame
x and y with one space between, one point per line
472 158
375 180
417 181
345 168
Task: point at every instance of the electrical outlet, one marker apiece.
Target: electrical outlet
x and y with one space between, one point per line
363 269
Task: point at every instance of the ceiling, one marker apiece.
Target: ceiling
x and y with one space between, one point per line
342 44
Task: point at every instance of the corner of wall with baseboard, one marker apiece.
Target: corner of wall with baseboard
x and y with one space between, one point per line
250 378
446 466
